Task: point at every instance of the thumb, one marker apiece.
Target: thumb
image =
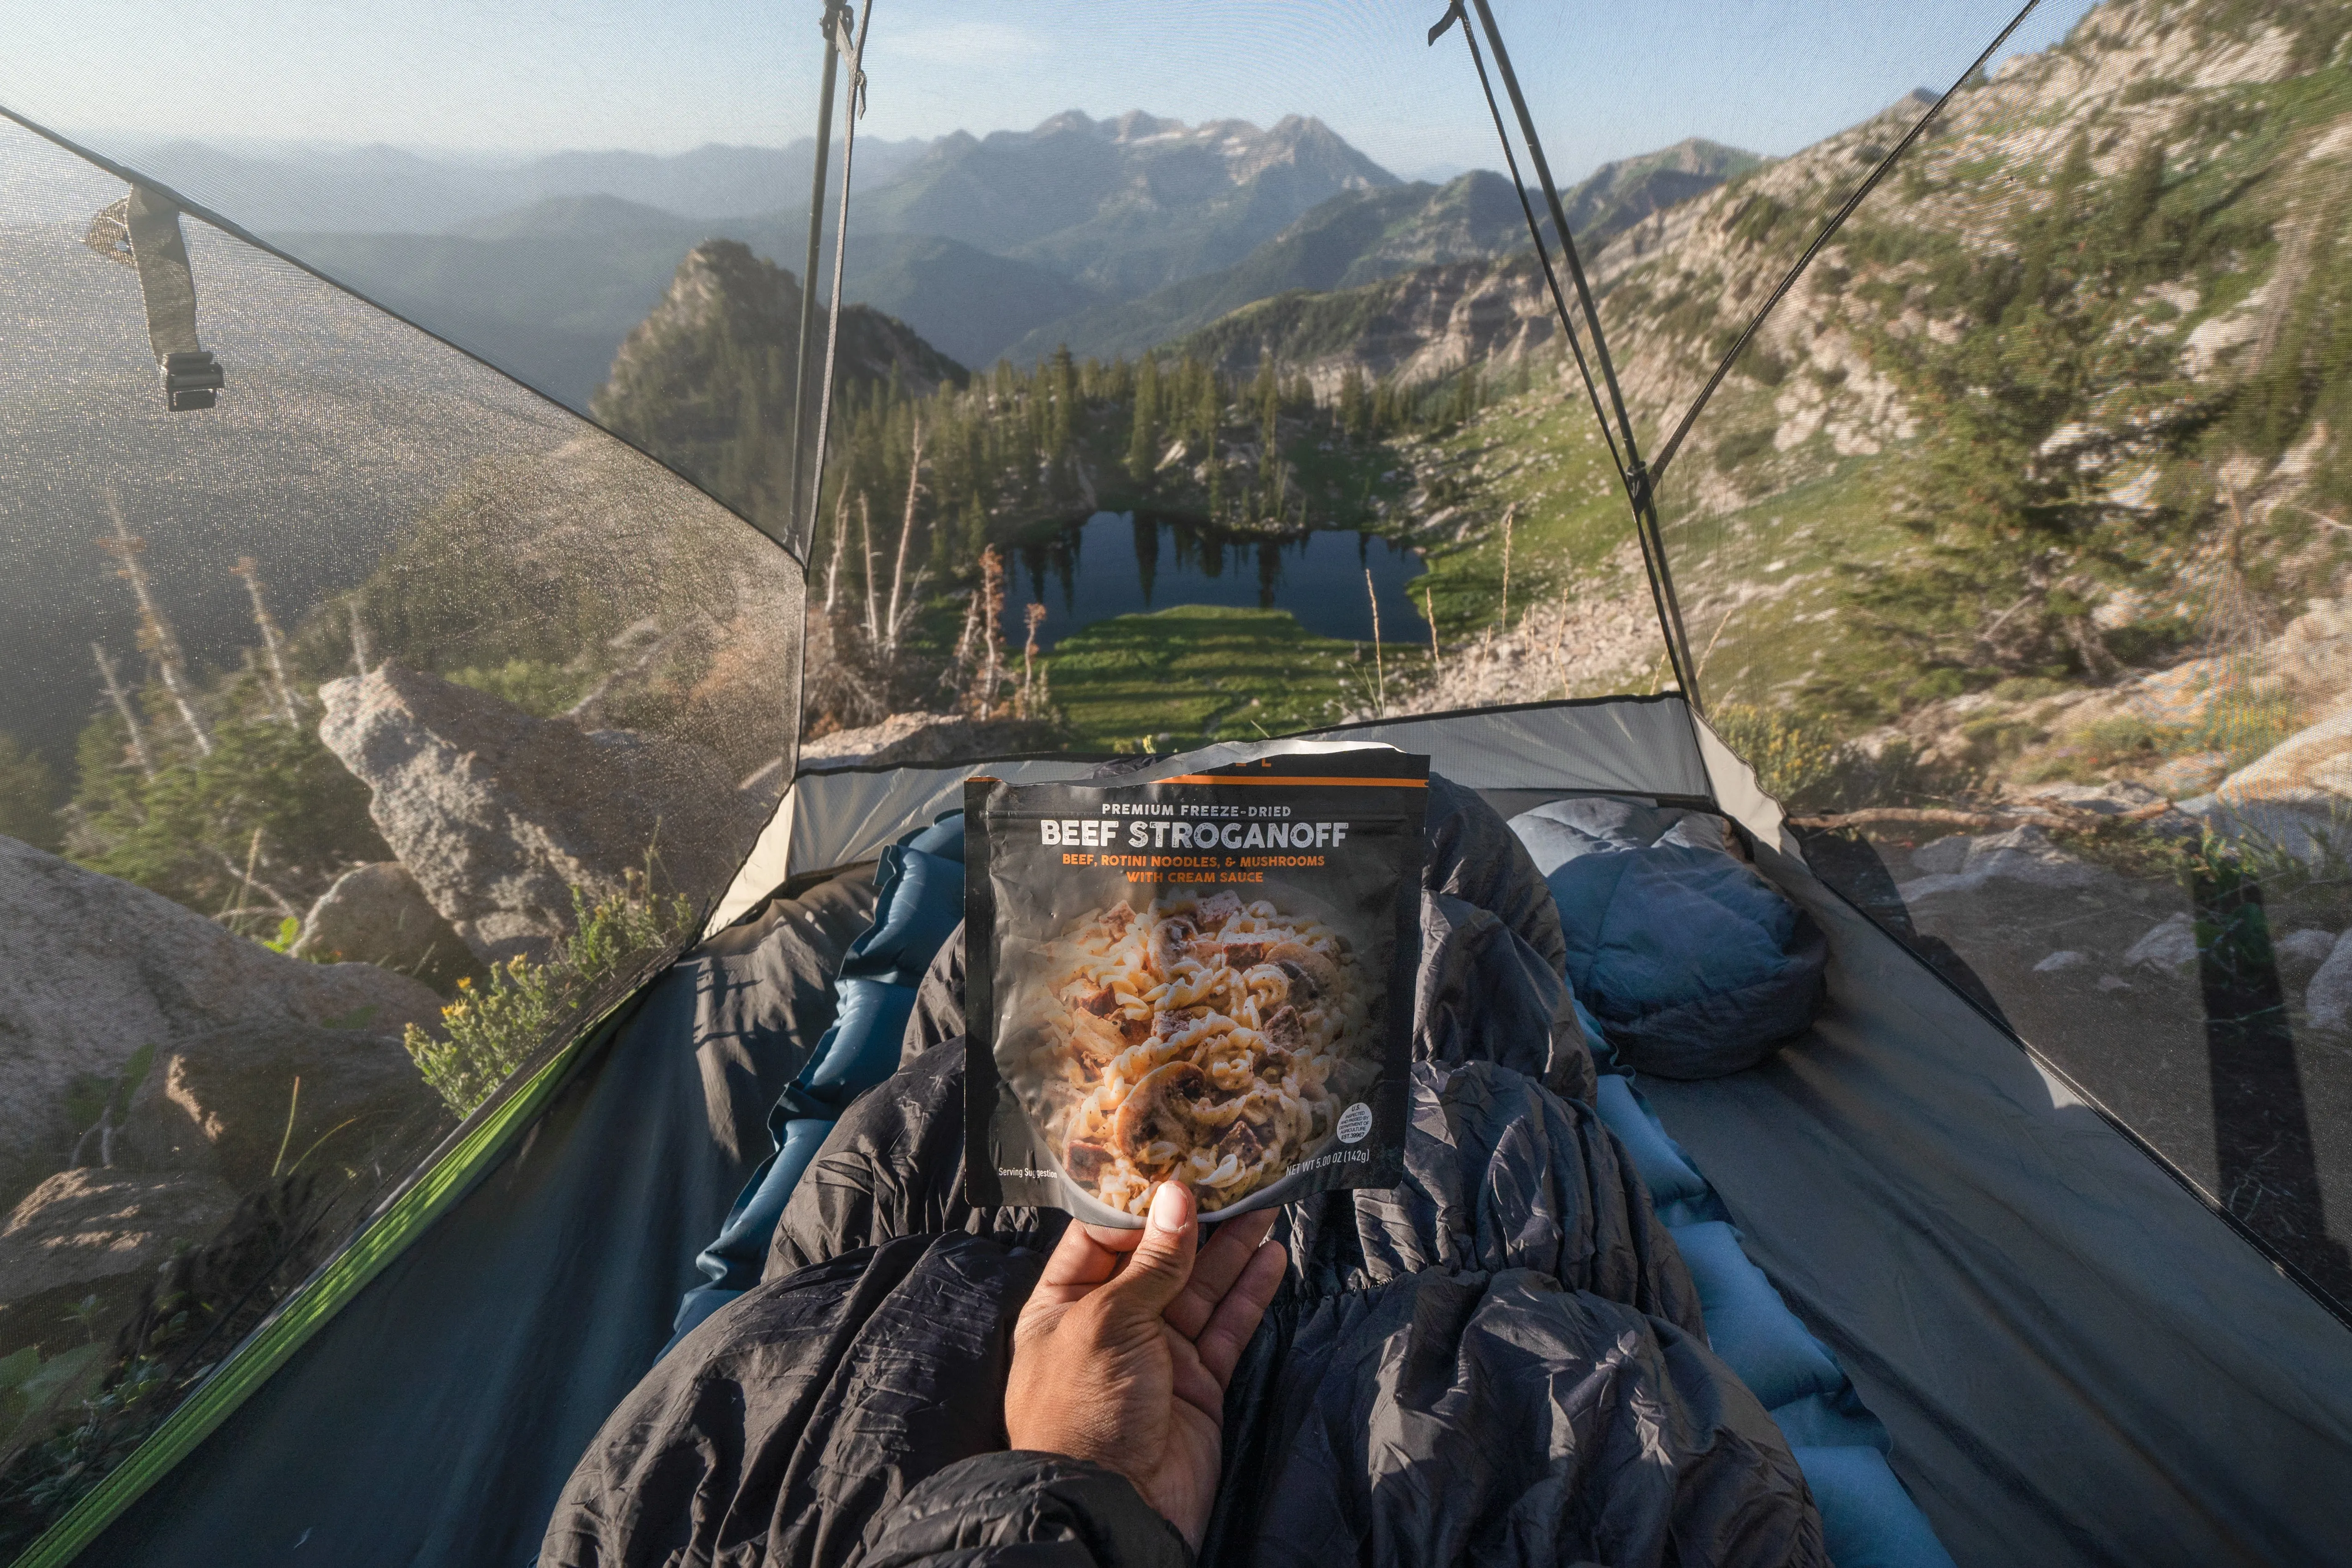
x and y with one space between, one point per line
1163 1262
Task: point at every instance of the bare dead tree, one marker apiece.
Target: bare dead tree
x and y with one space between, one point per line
1380 664
273 642
1033 615
1436 655
360 649
1509 512
873 607
155 634
891 622
992 625
840 539
122 704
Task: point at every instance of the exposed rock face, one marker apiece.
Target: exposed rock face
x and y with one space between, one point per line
2328 999
2171 945
2301 953
499 815
2298 793
672 389
98 1233
377 915
906 737
227 1105
2024 855
96 968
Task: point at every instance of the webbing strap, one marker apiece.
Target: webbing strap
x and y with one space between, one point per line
1674 443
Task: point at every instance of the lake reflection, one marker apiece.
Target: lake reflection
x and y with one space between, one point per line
1121 563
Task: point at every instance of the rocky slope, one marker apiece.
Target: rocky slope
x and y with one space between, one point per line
1366 235
2063 403
718 349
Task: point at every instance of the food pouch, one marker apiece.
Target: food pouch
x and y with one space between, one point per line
1205 979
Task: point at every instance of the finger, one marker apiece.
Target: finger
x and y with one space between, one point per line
1078 1264
1113 1238
1223 1258
1162 1259
1237 1316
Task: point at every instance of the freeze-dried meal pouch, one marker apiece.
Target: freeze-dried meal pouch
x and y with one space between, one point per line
1205 979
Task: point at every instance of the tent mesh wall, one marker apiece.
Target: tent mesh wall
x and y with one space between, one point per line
385 659
2020 506
2029 483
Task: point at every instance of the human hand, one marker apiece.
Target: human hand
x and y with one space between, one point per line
1122 1355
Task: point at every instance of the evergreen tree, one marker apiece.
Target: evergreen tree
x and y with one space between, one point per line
1354 409
1143 438
28 796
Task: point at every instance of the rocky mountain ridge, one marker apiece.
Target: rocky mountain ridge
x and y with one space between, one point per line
1123 205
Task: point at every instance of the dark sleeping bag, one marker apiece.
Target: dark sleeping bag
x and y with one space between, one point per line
1694 965
1501 1360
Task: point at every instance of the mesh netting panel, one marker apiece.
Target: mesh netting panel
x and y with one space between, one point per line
362 734
2012 554
523 179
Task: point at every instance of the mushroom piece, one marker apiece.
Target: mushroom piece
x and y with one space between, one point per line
1171 943
1301 962
1164 1107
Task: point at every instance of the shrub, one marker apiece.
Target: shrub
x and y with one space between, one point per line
28 796
1799 760
534 686
496 1028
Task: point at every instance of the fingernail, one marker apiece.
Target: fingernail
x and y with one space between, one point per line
1168 1207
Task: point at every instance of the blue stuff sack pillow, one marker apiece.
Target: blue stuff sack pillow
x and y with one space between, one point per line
1694 964
1747 1322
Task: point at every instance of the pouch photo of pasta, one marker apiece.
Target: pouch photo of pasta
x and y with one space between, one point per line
1190 979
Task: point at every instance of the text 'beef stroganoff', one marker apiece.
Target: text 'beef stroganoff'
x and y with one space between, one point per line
1190 980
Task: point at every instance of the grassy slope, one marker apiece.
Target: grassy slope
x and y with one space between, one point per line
1196 672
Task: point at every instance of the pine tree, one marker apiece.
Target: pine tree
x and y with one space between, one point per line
1143 439
1355 411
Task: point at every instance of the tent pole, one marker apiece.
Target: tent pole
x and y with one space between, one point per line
1639 489
802 540
850 36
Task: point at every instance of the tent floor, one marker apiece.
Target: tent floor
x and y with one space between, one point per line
2069 1351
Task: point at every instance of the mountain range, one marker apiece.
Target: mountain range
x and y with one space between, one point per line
1108 234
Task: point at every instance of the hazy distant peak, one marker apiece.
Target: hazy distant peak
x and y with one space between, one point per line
587 217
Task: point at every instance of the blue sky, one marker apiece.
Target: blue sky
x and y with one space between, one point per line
507 77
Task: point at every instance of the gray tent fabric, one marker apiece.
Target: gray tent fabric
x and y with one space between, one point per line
1634 745
2078 1362
435 1419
